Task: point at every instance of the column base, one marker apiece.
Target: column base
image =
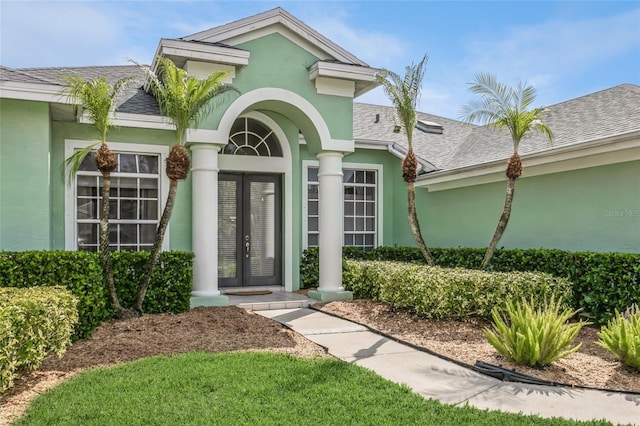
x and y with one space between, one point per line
330 296
219 300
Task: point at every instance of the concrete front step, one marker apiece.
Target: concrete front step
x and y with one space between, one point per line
273 301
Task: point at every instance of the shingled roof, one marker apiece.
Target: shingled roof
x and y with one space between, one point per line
595 116
134 100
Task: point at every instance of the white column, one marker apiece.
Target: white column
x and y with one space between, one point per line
204 181
330 221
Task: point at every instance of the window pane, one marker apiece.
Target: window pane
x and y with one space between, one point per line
128 234
348 208
371 224
148 210
127 163
148 188
371 209
87 186
360 176
359 193
128 187
312 174
313 240
147 233
313 224
128 209
313 192
371 177
113 209
368 240
371 193
360 208
87 234
87 208
148 164
348 224
313 207
89 163
359 224
348 176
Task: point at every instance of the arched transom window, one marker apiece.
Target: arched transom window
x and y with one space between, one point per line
250 137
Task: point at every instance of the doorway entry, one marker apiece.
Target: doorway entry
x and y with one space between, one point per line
249 230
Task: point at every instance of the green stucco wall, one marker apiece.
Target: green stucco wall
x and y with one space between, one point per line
24 175
595 209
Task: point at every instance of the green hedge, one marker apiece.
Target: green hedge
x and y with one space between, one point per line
81 273
436 292
33 323
602 282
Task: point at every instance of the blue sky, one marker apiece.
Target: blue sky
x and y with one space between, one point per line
566 49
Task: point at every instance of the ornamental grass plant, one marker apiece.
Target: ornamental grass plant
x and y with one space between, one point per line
621 337
534 335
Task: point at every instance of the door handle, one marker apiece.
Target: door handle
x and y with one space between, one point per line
247 246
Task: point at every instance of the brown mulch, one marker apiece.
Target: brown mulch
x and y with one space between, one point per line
212 329
222 329
463 340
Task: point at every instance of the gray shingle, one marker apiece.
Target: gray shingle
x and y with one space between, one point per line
134 100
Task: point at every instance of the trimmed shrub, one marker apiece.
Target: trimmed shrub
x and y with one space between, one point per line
81 273
436 292
621 337
33 323
534 336
602 282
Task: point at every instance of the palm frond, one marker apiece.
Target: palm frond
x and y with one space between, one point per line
502 106
185 99
72 164
404 94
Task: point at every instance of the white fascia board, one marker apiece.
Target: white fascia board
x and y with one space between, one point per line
140 121
204 52
601 152
335 87
33 92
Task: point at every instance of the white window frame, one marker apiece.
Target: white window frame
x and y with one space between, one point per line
71 145
306 164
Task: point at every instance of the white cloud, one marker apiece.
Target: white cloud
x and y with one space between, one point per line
552 50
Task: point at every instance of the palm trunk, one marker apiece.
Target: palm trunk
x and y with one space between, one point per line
415 225
157 245
502 223
105 251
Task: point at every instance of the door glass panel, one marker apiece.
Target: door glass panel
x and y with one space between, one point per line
262 236
227 223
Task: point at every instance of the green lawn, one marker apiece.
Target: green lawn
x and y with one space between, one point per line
248 389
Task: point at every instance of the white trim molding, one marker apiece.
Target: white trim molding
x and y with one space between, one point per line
599 152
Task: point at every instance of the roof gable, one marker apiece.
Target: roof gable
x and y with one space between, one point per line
276 21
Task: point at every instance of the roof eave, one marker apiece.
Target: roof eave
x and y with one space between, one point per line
612 149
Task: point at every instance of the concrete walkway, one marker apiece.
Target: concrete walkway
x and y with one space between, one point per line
448 382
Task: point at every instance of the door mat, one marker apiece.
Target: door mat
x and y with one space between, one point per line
248 293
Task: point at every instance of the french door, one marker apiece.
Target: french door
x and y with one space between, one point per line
249 230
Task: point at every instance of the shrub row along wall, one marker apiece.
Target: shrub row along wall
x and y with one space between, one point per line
602 282
33 323
437 292
81 273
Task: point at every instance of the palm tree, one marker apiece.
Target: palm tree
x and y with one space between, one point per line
502 106
97 98
185 100
404 94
